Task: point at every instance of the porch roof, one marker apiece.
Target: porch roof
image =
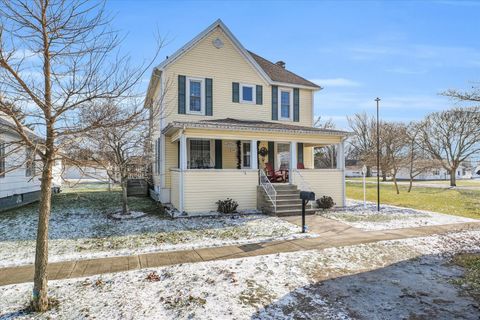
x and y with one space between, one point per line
249 125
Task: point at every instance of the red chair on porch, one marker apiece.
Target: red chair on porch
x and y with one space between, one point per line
300 165
272 174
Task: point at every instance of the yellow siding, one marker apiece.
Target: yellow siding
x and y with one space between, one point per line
224 66
324 182
308 157
205 187
229 154
175 182
171 161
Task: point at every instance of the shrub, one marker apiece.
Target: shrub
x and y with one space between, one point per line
227 206
325 202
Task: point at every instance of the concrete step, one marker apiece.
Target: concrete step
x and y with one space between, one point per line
294 212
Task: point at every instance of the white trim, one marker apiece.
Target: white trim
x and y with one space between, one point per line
183 167
254 93
242 154
202 96
253 154
290 91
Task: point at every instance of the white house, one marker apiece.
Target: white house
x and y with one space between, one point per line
438 173
19 183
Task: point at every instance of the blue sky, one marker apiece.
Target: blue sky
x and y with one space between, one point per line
405 52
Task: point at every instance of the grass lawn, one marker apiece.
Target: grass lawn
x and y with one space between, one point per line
464 203
471 263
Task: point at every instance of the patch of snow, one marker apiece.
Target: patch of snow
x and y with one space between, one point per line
389 217
391 279
77 233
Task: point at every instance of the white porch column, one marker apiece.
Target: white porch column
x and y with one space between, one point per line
183 167
341 166
253 154
293 161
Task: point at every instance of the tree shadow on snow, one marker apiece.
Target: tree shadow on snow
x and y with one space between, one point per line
419 288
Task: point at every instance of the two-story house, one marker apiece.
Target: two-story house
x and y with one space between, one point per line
235 125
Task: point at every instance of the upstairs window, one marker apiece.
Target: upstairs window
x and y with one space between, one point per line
195 96
286 103
247 93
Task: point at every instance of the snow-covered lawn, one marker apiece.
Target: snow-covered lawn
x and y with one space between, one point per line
80 229
402 279
390 217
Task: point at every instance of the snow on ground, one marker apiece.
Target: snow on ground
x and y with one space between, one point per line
390 217
385 280
81 233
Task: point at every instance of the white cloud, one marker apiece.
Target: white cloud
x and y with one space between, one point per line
336 82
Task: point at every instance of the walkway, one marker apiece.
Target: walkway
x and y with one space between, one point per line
331 234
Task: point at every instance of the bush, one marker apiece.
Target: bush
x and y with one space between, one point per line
325 202
227 206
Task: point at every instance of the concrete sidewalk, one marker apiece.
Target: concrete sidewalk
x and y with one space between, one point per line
331 234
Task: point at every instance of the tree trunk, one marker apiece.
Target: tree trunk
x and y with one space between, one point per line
396 184
384 177
369 171
410 185
40 298
453 177
125 209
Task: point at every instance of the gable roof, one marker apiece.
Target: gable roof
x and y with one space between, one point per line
280 74
269 71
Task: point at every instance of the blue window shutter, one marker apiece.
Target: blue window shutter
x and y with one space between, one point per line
218 154
235 92
271 153
300 153
296 105
181 94
259 94
208 97
274 103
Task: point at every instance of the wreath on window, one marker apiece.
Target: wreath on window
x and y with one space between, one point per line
263 151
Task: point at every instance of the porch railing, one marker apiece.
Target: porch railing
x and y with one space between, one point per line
269 189
300 181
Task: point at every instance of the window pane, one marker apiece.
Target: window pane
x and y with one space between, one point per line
195 95
199 154
285 104
247 93
246 154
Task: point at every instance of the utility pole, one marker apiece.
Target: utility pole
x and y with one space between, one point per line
378 154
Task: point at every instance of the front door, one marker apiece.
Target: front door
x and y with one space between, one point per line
283 156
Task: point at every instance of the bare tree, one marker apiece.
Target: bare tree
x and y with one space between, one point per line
58 58
417 160
393 141
361 142
452 136
324 157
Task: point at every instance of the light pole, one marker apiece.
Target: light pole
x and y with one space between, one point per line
378 155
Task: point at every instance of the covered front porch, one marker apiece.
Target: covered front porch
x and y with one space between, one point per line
217 163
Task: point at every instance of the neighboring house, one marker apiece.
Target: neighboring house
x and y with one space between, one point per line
19 183
436 173
221 105
87 171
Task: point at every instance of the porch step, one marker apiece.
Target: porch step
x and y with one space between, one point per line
288 202
294 212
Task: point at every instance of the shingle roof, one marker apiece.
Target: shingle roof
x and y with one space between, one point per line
280 74
252 125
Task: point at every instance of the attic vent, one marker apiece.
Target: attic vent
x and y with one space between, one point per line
280 63
218 43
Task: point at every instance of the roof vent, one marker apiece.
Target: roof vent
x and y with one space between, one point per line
280 63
